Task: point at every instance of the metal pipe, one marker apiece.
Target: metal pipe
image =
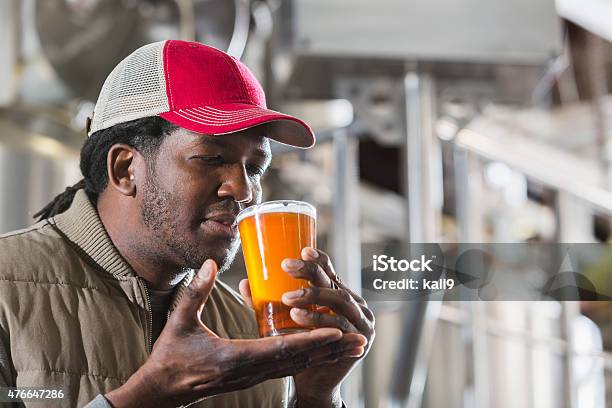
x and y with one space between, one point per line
8 48
543 163
422 219
240 35
346 243
596 52
570 311
469 188
187 20
480 355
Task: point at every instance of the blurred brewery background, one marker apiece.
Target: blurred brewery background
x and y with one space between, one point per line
437 121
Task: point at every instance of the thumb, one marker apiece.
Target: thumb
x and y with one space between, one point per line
190 307
245 291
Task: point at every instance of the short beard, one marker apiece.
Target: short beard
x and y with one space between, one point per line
157 214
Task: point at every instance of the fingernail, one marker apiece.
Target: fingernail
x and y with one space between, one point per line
332 335
354 343
292 263
295 294
356 352
357 341
299 312
310 252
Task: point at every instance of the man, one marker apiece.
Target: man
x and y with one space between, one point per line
113 296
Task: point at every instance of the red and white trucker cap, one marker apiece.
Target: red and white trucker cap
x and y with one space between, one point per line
196 87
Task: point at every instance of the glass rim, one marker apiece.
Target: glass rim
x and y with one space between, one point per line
252 210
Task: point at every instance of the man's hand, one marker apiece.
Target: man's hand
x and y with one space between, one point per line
319 386
189 362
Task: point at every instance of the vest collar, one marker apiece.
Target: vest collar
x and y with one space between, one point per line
81 224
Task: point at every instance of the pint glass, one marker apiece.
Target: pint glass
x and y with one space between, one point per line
271 232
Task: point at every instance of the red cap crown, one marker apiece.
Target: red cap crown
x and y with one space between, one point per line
194 86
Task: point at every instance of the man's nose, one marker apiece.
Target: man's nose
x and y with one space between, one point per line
236 184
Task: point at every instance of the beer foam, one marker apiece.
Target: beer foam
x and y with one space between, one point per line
279 206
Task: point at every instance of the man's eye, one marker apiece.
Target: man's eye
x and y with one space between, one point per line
211 159
255 170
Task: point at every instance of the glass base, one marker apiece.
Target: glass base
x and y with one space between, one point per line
274 319
283 332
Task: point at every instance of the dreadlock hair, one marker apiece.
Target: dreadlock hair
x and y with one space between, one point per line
145 135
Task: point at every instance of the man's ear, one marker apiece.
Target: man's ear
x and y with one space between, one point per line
121 168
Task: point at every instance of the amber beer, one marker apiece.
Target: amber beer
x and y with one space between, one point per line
271 232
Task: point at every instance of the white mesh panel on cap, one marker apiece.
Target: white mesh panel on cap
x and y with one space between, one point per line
135 89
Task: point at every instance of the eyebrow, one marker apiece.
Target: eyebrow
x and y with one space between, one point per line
208 141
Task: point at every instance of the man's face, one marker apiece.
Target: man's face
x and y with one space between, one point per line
194 190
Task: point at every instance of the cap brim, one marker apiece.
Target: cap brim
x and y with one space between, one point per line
234 117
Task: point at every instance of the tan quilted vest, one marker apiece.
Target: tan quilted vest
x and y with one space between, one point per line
74 315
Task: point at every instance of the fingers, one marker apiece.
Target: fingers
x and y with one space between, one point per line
349 314
310 254
309 318
280 347
295 352
323 260
311 271
189 309
251 369
245 291
305 362
347 348
316 267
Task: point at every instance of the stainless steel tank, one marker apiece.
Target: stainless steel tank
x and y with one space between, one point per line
84 40
39 157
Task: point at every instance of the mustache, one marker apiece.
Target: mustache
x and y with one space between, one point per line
225 206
